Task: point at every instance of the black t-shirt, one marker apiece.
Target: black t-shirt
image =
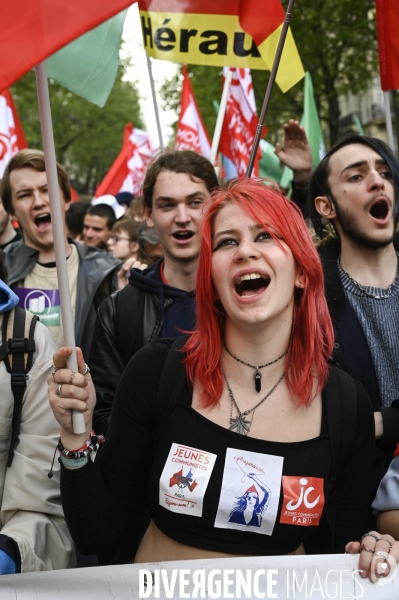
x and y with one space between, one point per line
209 487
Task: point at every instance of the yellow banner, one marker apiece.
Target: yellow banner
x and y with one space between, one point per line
216 40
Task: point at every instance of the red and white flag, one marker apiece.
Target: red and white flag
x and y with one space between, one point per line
191 131
240 122
12 136
128 171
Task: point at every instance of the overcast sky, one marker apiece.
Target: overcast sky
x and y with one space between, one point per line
162 69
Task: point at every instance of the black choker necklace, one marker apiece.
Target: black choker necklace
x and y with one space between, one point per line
257 374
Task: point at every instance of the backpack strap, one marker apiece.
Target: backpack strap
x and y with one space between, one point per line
17 353
171 384
129 318
341 407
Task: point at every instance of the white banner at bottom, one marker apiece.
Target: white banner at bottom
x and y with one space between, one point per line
316 577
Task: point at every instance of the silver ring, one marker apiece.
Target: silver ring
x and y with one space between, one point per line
382 554
370 534
53 372
87 370
363 547
388 542
59 392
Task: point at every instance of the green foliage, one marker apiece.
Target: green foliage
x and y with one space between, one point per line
337 42
87 138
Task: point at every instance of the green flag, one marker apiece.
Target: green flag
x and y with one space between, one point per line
88 65
358 124
311 124
269 164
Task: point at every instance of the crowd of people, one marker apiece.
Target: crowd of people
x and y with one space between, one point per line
237 364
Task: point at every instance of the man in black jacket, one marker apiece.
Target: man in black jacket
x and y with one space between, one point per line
158 302
354 207
31 261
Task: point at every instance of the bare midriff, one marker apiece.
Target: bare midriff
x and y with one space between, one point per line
158 547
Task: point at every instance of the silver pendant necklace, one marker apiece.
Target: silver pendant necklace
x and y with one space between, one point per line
257 374
240 422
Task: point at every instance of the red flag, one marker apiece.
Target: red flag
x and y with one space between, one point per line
388 42
192 486
191 131
259 18
128 171
176 478
12 137
240 122
74 195
32 31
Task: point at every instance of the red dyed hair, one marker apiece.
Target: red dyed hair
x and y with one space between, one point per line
312 337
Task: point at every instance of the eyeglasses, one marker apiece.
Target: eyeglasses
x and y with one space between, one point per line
118 238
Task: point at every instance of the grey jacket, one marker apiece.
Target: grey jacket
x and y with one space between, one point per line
30 503
97 278
387 497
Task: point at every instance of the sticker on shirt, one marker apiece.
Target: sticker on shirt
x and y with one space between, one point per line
303 500
44 303
250 491
184 479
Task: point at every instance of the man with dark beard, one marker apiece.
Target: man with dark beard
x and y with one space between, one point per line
354 194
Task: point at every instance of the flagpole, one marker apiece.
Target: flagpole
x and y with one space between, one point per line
220 117
269 88
57 227
154 100
388 120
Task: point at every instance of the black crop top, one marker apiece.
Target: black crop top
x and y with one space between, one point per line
209 487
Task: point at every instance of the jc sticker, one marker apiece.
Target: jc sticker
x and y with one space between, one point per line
303 500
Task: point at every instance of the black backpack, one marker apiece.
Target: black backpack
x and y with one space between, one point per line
129 321
16 351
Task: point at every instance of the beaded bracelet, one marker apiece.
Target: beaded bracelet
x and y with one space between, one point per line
74 459
91 444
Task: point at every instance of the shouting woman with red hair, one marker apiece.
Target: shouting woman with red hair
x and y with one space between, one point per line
246 459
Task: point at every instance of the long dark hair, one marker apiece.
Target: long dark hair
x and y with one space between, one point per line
241 504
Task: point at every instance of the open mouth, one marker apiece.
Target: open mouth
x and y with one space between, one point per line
379 210
183 235
43 221
251 284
